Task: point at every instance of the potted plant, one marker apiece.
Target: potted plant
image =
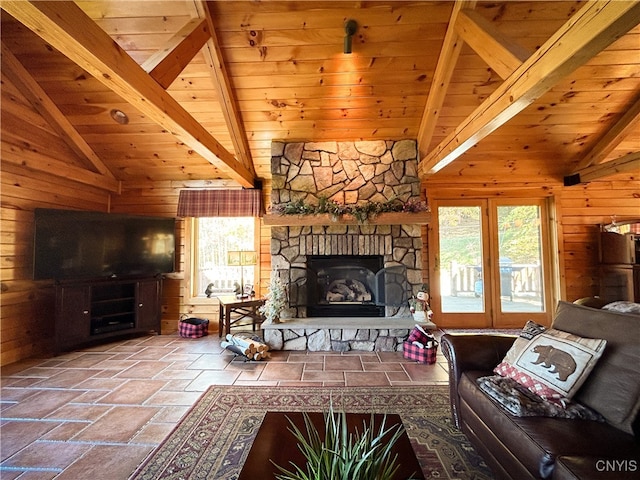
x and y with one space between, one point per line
341 455
276 300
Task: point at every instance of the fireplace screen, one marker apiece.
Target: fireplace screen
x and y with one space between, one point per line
343 285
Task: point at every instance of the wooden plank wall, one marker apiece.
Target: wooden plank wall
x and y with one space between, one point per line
26 317
582 209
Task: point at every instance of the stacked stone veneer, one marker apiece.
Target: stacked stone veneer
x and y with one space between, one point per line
351 173
336 339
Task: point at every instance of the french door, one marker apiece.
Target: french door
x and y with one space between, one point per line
490 263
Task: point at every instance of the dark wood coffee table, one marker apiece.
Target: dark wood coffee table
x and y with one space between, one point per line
275 442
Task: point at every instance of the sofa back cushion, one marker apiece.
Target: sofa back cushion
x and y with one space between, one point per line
613 387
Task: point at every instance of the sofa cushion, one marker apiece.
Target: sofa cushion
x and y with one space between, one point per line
537 441
613 388
554 364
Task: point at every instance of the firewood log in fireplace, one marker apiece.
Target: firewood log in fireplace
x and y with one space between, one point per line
347 290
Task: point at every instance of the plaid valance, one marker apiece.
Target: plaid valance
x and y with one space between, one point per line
220 203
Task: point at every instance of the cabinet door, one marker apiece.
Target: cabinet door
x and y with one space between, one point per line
73 315
148 305
616 283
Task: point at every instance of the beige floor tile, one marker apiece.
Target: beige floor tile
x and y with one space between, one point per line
366 379
88 360
47 455
143 369
41 404
282 371
322 376
345 363
153 433
119 461
79 412
152 353
212 377
17 435
119 424
134 392
165 398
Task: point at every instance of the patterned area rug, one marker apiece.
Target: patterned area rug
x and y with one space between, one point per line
213 440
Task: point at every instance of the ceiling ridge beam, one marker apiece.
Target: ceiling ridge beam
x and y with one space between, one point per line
442 76
42 103
500 52
230 110
166 64
68 29
612 138
629 163
595 26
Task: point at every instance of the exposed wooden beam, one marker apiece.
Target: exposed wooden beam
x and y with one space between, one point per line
628 122
230 110
442 77
33 92
500 52
68 29
629 163
589 31
166 64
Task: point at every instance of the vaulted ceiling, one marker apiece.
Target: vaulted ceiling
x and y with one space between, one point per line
492 91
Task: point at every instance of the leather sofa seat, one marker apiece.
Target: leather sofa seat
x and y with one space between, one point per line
538 441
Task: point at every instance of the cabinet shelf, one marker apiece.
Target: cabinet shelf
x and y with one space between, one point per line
98 310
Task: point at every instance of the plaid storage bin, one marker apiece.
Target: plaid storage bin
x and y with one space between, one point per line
418 354
418 335
193 327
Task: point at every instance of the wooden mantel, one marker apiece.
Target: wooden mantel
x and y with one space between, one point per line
394 218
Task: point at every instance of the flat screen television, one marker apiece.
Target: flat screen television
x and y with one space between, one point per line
71 244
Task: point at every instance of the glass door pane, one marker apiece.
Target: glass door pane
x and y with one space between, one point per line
520 258
461 259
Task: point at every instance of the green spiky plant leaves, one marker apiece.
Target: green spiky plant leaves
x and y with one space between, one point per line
341 455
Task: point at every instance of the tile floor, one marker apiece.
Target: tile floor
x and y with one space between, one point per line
98 413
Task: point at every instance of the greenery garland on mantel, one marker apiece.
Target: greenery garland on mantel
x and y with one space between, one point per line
362 212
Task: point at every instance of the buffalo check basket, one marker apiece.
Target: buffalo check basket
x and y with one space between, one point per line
419 353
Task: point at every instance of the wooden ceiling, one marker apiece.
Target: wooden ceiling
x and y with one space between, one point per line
492 91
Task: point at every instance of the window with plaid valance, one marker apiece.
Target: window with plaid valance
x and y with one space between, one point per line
220 203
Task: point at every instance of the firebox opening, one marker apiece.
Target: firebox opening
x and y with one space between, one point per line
346 285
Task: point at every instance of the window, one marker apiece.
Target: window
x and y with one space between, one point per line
213 239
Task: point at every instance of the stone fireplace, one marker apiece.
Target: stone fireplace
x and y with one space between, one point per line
340 270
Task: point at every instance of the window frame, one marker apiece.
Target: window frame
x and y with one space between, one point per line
194 295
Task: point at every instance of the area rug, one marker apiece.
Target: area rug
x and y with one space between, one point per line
213 439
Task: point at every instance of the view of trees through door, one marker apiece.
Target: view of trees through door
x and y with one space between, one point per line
490 262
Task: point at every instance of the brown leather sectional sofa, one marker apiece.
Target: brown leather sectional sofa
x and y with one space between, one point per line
540 447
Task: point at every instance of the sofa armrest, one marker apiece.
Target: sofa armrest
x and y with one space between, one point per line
466 352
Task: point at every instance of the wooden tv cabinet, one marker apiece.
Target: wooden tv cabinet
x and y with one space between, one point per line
90 311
